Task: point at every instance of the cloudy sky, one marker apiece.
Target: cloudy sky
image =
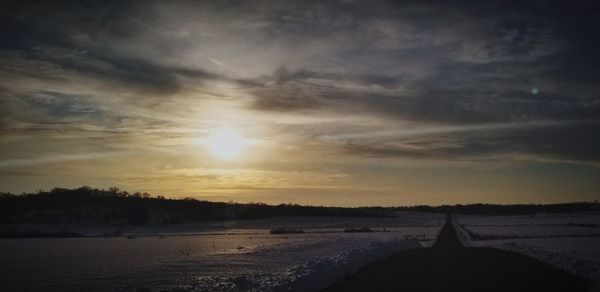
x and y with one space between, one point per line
327 102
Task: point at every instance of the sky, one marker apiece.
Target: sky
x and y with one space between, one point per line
340 103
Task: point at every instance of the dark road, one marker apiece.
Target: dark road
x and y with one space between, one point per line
449 266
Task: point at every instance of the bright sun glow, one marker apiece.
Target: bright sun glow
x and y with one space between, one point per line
227 144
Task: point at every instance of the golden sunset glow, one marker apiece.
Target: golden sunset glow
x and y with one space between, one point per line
227 144
299 145
287 103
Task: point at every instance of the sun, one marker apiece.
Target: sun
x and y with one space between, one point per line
227 144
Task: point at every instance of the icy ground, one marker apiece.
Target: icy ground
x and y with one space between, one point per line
246 258
404 219
570 241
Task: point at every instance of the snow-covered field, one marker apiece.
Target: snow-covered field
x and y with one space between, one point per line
212 259
570 241
404 219
519 231
579 218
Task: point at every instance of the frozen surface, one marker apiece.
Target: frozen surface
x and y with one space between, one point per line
403 219
519 231
570 241
589 218
240 259
579 255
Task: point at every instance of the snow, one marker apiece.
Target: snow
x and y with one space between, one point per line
403 219
578 255
570 241
244 258
329 261
532 231
536 219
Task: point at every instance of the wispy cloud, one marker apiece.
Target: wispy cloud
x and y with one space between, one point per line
424 131
312 80
56 158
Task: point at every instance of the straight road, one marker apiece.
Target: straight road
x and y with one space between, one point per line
449 266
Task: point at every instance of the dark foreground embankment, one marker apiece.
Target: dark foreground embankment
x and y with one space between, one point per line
448 266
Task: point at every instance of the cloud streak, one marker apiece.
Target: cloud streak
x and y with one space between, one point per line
313 81
57 158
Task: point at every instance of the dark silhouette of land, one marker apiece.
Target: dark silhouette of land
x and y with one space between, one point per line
91 206
449 266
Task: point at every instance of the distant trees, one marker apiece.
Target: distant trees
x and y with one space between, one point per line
115 191
141 195
80 205
138 215
116 207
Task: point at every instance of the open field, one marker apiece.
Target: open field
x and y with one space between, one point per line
568 241
209 259
451 266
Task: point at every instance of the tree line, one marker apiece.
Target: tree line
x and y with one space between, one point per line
86 205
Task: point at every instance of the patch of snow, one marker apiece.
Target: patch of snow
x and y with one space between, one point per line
569 257
590 218
209 262
568 241
318 272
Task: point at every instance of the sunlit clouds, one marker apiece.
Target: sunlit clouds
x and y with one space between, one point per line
331 103
227 144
